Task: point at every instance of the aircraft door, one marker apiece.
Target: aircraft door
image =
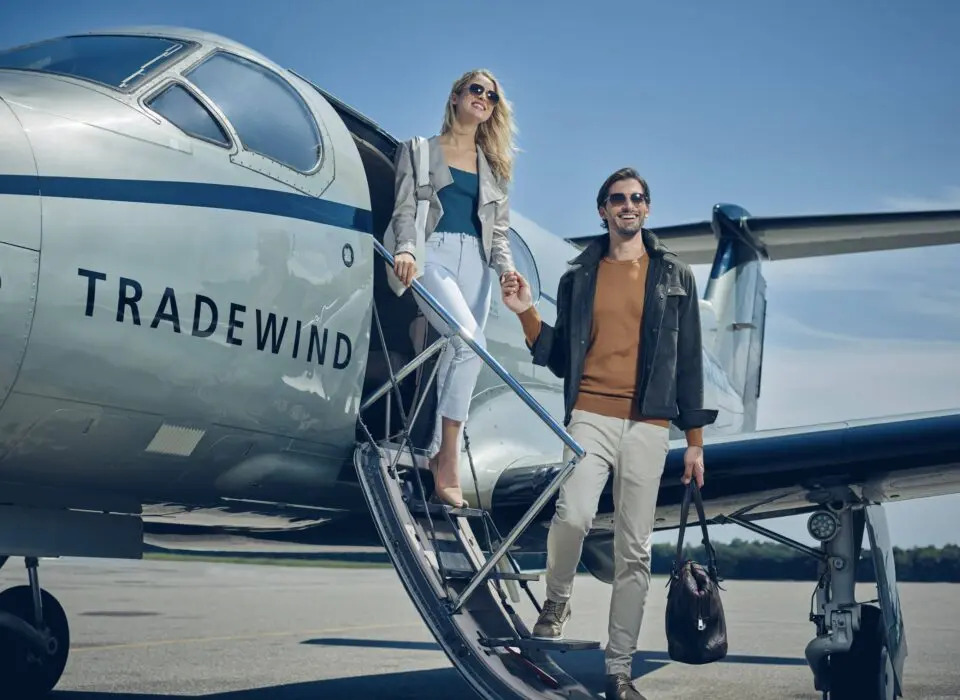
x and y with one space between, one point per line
19 246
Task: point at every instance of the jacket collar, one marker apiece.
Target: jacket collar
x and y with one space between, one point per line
438 165
597 248
490 190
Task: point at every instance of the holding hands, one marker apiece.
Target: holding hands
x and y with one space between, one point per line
515 292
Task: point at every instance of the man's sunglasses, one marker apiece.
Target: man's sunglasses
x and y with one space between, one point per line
478 89
618 198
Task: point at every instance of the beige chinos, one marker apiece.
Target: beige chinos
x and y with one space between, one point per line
636 452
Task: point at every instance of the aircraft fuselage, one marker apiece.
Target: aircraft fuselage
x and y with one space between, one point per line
185 321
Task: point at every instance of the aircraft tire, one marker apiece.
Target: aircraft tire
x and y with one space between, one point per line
23 672
865 672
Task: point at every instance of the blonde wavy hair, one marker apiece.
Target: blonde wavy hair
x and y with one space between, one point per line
495 135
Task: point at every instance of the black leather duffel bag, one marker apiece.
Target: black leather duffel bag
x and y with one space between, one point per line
696 628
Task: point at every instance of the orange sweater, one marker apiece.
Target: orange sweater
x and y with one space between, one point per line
610 369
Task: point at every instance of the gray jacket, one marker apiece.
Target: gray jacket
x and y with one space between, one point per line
493 207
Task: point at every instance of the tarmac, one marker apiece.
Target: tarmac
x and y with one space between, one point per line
164 630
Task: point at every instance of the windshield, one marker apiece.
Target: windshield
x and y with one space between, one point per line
118 61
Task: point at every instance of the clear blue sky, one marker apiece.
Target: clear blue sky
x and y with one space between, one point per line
783 108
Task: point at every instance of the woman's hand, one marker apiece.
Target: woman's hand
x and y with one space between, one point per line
405 268
515 292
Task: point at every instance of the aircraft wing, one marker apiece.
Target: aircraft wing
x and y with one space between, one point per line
786 237
771 474
766 474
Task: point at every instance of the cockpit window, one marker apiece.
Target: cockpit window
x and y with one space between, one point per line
269 116
183 110
121 62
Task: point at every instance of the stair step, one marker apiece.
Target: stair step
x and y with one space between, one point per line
528 643
502 575
456 561
419 507
405 462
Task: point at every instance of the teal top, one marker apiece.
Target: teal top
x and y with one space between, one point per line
459 202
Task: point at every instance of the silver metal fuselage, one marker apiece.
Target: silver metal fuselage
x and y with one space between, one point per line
169 344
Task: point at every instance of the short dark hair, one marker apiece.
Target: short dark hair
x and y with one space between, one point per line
621 174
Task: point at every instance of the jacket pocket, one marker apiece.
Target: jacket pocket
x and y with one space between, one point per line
662 390
671 311
660 399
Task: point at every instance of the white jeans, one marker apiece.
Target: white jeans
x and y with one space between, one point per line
459 278
636 452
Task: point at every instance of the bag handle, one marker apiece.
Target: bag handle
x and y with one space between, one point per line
693 489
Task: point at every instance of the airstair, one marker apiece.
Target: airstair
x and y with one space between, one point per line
465 587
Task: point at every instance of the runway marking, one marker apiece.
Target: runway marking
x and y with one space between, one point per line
235 638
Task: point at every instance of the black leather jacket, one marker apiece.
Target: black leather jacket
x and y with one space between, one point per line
670 377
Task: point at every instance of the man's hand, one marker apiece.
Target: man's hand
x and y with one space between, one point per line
515 292
405 268
693 465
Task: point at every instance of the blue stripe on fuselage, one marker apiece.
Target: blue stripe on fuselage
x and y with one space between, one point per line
193 194
19 184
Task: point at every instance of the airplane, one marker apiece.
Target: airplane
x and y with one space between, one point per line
196 335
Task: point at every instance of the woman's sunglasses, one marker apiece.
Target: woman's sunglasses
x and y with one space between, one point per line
478 89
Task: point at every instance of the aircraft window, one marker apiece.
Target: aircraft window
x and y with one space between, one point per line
524 262
183 110
120 62
269 115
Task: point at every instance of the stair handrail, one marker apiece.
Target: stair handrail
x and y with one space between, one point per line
488 359
545 495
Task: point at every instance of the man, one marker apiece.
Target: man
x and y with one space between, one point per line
627 344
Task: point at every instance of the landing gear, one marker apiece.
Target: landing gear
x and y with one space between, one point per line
866 671
34 638
850 656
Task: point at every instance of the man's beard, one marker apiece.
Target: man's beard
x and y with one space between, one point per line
630 231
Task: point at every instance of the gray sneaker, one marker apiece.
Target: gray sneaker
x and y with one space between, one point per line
552 619
621 687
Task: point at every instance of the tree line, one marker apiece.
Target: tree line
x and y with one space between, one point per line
771 561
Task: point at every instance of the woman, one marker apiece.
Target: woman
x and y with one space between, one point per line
471 162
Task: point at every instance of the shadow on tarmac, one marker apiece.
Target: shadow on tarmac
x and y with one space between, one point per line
433 684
